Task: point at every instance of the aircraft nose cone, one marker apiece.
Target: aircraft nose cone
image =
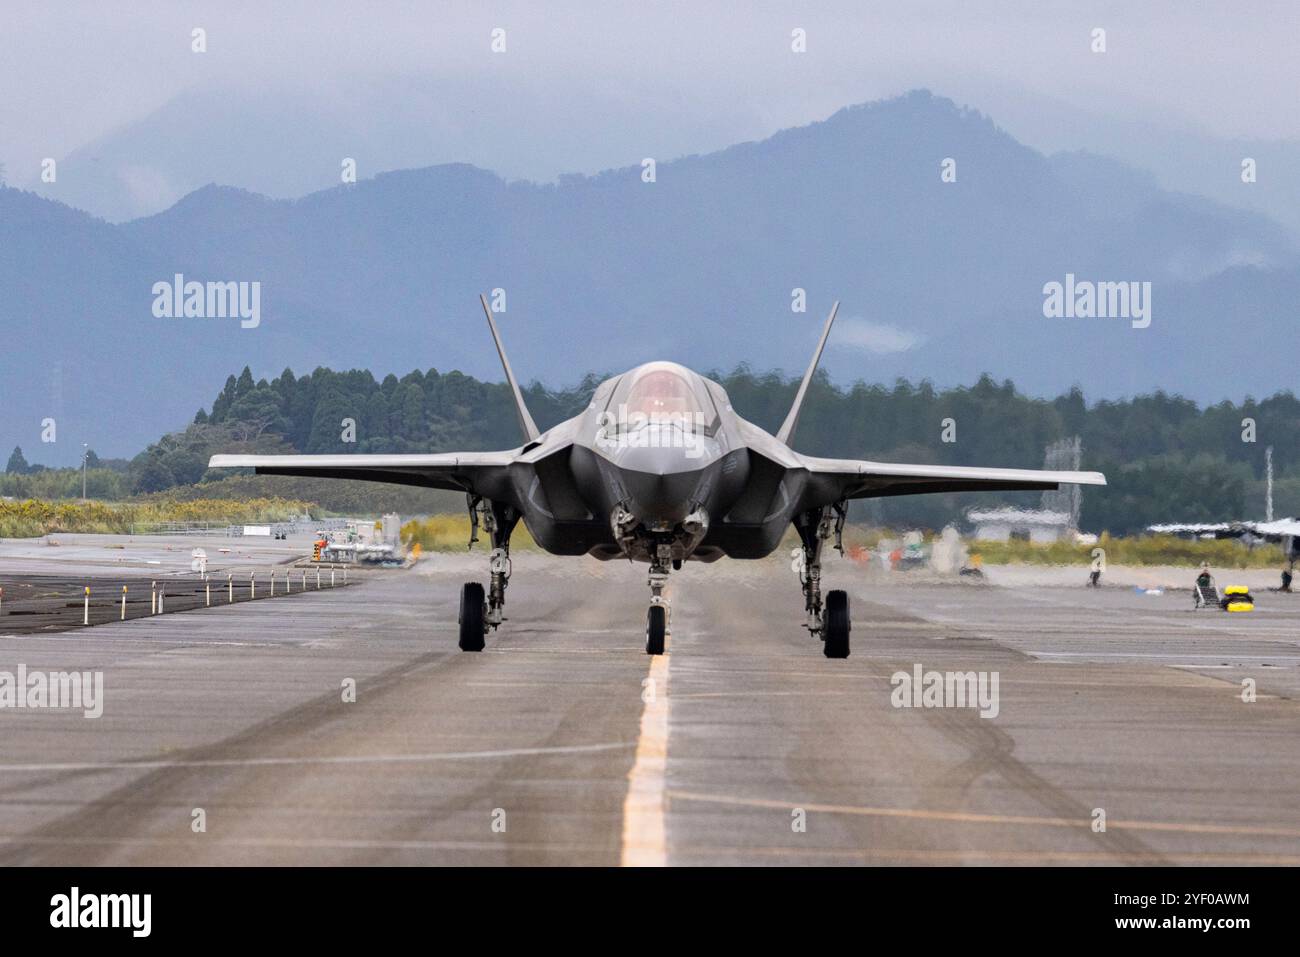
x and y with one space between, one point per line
661 481
659 499
661 461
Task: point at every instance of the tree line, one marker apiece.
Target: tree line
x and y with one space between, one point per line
1166 458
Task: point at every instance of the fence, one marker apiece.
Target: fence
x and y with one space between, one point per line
44 603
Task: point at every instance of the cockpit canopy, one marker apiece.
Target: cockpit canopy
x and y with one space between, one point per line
663 393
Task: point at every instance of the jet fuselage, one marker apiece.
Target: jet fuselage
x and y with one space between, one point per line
659 460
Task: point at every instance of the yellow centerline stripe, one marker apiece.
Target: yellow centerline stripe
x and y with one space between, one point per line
971 818
644 835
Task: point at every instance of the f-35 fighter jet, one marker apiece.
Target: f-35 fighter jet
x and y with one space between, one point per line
658 469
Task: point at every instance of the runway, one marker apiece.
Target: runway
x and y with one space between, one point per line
563 743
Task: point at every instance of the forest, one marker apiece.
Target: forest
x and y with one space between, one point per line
1166 459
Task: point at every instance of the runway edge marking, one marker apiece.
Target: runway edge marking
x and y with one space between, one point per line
644 835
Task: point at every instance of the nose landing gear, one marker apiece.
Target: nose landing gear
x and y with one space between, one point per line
656 628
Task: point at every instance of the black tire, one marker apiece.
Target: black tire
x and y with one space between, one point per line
836 625
656 626
472 611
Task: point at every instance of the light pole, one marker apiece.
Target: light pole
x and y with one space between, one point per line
1268 484
85 448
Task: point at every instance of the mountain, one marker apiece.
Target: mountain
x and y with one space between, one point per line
939 280
290 142
1176 149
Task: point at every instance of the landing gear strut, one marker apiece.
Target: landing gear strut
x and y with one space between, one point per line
830 621
657 616
477 612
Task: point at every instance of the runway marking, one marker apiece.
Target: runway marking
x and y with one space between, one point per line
971 818
711 854
1160 656
302 843
644 838
112 644
859 676
920 855
765 694
338 759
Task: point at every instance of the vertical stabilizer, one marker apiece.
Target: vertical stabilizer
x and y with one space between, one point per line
792 420
525 420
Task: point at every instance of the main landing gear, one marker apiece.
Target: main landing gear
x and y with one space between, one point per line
830 621
478 612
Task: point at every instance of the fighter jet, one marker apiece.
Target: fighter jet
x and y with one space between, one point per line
1284 532
658 469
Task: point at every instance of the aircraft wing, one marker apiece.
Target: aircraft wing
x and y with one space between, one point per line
1276 531
458 471
856 478
1217 529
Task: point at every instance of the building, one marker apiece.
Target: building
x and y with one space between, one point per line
1031 525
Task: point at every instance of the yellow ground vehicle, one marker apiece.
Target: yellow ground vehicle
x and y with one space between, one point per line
1237 598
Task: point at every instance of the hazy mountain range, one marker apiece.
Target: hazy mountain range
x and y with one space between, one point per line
938 280
291 143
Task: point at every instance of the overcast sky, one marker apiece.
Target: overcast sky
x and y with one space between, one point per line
72 72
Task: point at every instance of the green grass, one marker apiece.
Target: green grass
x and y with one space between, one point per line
334 496
35 517
450 533
1139 550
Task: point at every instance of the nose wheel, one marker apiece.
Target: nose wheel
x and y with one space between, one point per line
656 628
656 619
